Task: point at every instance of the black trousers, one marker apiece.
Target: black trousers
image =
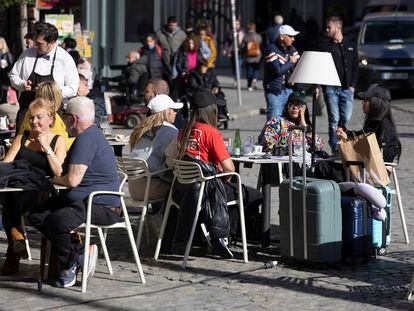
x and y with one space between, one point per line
15 204
56 219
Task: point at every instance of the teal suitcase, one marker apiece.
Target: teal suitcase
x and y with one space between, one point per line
381 230
310 218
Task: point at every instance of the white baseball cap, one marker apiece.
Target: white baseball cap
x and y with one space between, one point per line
162 102
287 30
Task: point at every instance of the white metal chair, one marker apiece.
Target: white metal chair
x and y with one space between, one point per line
123 223
187 172
396 192
137 169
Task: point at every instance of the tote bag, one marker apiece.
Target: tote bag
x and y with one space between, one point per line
364 148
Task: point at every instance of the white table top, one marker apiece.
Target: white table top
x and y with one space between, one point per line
269 160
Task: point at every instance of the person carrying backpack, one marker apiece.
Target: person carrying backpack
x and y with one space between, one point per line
252 55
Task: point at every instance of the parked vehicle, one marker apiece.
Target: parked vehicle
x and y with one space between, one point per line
131 117
386 50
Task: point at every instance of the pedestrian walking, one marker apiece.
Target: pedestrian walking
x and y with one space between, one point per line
6 63
157 66
45 62
252 55
202 33
170 37
339 99
229 48
281 57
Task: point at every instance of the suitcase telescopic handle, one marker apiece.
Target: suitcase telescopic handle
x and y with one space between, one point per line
305 237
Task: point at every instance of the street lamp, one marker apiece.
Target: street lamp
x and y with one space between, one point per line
316 68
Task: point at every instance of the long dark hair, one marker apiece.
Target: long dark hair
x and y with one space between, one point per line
207 115
285 114
379 111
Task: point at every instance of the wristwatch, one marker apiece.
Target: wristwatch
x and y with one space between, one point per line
49 152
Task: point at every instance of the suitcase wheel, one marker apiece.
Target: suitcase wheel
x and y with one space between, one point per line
382 251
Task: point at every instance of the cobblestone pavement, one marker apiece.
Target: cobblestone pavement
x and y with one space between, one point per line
210 283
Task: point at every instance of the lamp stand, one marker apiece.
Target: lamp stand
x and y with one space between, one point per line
314 101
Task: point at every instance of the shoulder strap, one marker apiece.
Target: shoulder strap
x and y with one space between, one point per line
53 142
24 137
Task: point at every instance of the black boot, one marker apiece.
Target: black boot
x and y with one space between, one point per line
11 265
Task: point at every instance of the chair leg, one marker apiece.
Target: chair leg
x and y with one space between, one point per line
141 225
134 249
163 225
26 240
410 289
190 239
86 257
242 221
400 206
102 238
105 233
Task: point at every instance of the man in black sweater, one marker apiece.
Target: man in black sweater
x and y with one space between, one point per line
339 99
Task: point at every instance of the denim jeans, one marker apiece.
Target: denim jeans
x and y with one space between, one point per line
233 66
276 103
339 104
252 72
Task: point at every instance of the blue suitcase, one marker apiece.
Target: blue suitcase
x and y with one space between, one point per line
310 218
356 228
381 230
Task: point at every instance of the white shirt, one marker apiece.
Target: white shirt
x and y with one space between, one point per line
64 73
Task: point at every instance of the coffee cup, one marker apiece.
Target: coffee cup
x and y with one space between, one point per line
257 149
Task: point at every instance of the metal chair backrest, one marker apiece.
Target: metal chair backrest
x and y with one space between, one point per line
187 172
134 168
122 179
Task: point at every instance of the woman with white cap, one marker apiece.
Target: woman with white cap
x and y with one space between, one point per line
149 141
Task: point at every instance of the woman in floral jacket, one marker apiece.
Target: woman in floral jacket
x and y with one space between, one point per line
276 130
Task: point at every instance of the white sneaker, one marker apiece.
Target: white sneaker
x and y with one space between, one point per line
254 84
250 89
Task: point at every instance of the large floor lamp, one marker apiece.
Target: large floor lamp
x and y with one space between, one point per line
316 68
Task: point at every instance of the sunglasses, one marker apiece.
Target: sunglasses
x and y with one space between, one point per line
296 105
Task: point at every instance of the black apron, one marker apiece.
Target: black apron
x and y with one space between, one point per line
26 97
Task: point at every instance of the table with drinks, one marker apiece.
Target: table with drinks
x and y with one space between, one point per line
270 165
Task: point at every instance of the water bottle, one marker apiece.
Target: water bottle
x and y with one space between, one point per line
237 143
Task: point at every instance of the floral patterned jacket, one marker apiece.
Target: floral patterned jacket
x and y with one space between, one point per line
276 134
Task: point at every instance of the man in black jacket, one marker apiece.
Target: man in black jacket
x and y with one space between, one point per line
339 99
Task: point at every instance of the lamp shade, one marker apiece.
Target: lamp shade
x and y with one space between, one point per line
315 68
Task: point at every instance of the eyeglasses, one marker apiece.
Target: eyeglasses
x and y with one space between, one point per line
293 104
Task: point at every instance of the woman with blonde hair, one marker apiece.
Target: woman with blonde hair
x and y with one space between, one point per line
149 141
44 150
6 63
50 91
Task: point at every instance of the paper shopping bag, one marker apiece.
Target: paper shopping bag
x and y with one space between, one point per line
364 148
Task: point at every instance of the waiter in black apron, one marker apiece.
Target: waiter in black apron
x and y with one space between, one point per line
45 62
27 96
